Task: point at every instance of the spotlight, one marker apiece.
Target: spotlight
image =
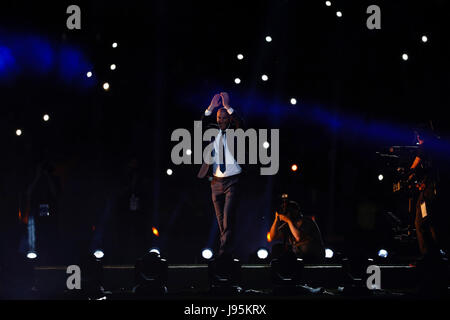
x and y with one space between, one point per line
286 272
294 167
18 132
207 253
93 276
114 45
266 145
154 250
382 253
99 254
329 253
293 101
380 177
151 274
405 57
240 56
224 275
269 39
169 172
106 86
262 253
113 67
188 152
155 231
339 14
31 255
46 117
237 80
264 77
328 3
89 74
424 38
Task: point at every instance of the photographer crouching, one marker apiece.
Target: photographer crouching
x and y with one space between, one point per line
300 235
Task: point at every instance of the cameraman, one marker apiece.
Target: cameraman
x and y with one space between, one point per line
300 234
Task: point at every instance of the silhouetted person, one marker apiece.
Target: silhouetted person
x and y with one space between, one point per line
423 173
133 212
41 211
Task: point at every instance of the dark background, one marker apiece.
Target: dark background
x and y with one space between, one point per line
355 94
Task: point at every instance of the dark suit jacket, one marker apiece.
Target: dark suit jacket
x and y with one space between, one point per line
210 121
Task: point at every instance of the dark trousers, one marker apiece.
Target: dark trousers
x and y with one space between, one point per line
224 193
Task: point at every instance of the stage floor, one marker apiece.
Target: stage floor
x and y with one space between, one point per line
191 281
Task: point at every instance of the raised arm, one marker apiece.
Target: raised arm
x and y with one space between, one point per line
274 233
292 226
206 116
235 118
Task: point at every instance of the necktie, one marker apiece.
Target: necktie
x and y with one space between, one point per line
223 163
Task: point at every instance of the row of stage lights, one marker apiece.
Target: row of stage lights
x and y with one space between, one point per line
207 253
98 253
263 253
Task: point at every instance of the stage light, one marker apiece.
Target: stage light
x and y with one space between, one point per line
169 172
46 117
237 80
328 3
240 56
264 77
207 253
380 177
188 152
31 255
155 231
424 38
18 132
155 250
269 39
294 167
151 275
112 67
329 253
286 272
405 57
224 275
262 253
266 145
293 101
382 253
339 14
99 254
89 74
106 86
114 45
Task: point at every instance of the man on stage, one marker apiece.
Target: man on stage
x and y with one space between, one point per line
225 171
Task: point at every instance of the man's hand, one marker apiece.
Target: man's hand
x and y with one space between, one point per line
215 102
225 99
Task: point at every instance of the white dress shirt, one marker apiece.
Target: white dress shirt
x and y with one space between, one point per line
231 166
